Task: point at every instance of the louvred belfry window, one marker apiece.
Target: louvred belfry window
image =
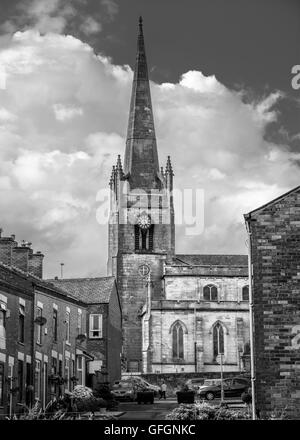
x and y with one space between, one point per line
143 239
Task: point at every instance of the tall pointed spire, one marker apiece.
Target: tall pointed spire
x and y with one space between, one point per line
141 159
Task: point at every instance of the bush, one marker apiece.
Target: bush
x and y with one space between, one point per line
246 398
84 399
102 391
204 411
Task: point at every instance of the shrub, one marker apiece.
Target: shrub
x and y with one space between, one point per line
102 391
204 411
246 398
84 399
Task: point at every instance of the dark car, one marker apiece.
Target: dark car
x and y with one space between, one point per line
233 387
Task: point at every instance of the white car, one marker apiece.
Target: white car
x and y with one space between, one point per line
142 383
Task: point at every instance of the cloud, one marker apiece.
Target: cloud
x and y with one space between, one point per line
90 26
63 120
60 16
64 113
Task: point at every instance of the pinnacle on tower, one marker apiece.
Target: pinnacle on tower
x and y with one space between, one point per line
112 177
119 167
169 169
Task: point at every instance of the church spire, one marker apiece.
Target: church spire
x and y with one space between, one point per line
141 165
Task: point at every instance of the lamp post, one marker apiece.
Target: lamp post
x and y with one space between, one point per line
220 351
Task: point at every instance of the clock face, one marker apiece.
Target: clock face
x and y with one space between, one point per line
144 221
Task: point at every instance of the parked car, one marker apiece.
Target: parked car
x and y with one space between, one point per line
124 390
233 387
142 384
194 384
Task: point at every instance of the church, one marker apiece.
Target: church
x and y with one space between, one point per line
181 313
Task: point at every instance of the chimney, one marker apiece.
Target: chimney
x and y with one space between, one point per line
35 264
7 244
20 256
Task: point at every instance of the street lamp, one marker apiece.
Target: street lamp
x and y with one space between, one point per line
220 352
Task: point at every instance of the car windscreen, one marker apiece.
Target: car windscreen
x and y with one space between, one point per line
122 385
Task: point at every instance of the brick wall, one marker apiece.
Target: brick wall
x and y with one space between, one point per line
15 290
276 290
60 349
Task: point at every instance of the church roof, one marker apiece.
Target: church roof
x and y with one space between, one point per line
211 260
88 290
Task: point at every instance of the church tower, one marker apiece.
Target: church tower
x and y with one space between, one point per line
141 226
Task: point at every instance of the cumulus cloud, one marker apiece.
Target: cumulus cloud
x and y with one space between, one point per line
63 120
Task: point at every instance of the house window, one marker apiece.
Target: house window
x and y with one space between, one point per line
95 326
72 383
21 323
45 383
28 397
39 313
210 293
2 327
79 322
67 374
177 338
218 340
54 324
1 383
67 326
245 293
37 379
80 370
20 379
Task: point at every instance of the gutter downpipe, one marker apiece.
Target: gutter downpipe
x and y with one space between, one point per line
251 326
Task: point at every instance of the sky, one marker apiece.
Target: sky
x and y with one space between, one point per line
224 110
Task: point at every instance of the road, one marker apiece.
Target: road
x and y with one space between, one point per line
160 408
157 411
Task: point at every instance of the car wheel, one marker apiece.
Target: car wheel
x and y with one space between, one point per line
209 396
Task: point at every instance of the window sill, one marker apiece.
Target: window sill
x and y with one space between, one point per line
95 337
21 343
68 343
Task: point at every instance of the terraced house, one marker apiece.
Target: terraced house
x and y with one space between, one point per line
52 339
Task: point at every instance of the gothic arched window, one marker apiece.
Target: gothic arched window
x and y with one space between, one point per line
245 293
210 293
177 341
218 340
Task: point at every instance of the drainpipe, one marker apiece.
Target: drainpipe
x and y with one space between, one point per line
249 233
32 375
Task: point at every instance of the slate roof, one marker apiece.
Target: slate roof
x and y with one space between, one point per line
211 260
88 290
